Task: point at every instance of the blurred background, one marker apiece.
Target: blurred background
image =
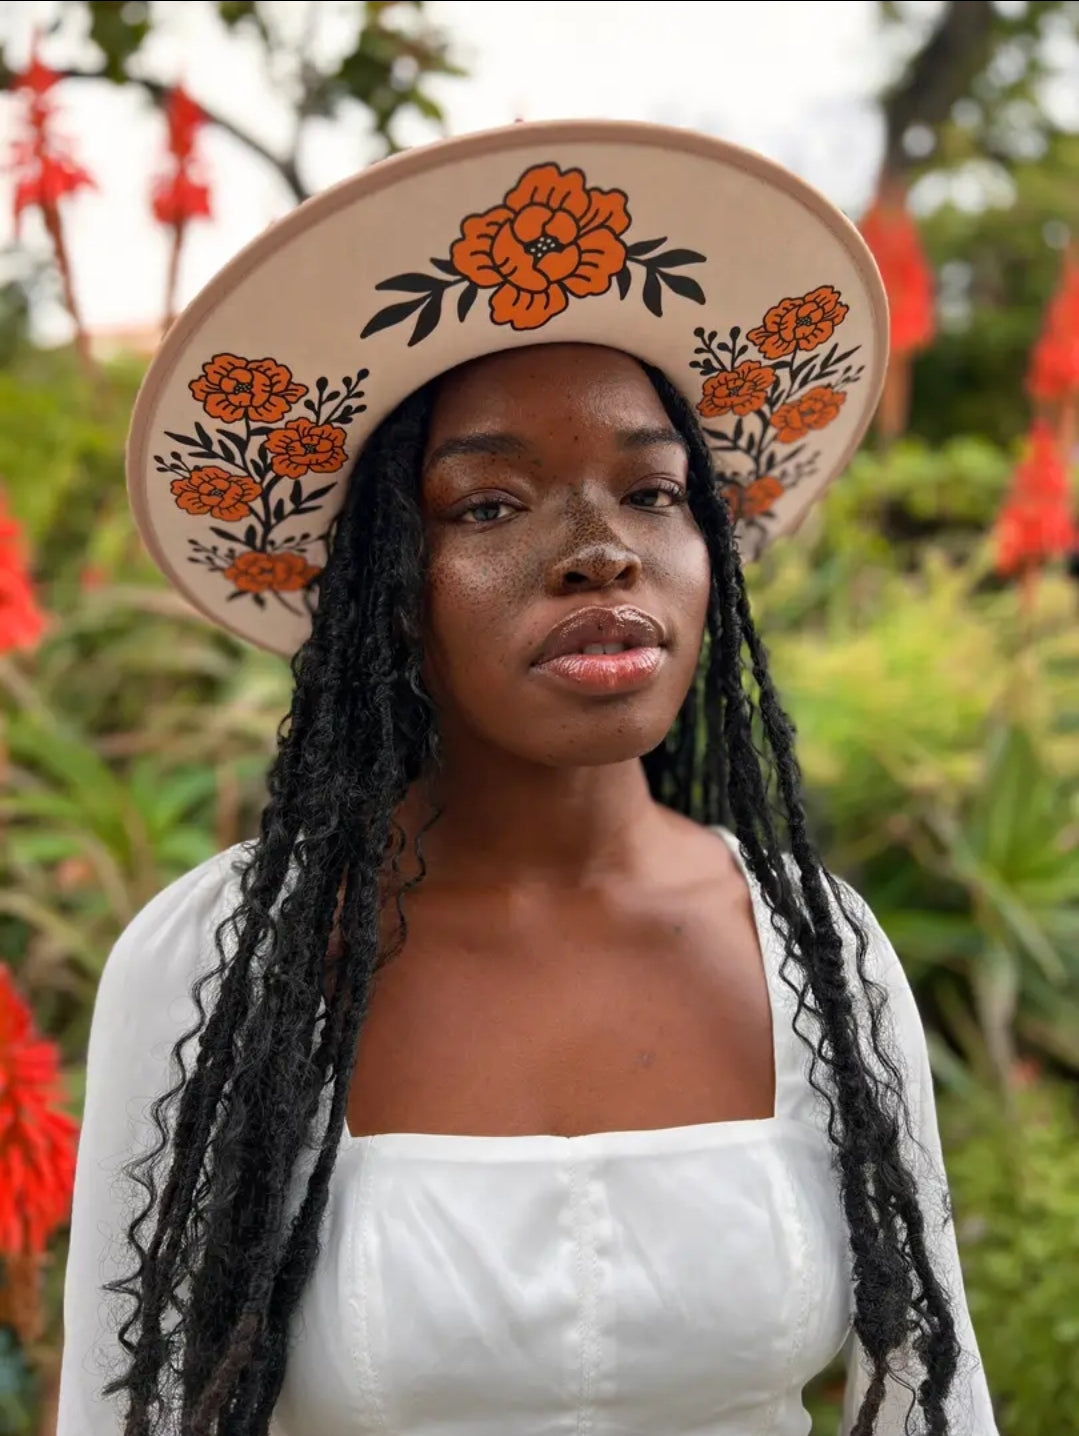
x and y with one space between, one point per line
923 625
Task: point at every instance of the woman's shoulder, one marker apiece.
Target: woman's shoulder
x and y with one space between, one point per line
160 947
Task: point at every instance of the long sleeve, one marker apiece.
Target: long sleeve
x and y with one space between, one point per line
970 1408
143 1005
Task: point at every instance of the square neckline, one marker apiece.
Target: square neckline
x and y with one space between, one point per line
463 1146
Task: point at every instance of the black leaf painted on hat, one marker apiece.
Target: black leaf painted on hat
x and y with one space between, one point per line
427 319
465 301
644 246
675 258
652 294
624 278
682 284
411 283
391 315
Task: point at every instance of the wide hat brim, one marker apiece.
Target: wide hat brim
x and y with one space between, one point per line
749 289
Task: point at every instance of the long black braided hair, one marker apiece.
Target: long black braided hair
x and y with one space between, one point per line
220 1273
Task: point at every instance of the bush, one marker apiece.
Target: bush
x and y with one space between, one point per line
1015 1188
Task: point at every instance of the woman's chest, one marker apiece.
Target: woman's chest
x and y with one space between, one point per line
686 1281
567 1019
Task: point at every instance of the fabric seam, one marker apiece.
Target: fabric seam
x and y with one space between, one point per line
586 1261
359 1230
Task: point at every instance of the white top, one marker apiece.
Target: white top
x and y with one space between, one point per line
686 1281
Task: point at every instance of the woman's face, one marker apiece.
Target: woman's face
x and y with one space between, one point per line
554 489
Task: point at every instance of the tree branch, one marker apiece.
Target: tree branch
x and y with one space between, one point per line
285 167
937 76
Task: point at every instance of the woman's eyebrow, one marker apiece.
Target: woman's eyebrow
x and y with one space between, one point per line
510 446
648 438
507 445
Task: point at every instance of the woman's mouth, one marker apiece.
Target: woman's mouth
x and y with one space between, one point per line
604 667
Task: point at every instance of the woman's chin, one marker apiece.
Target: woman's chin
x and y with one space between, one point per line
607 739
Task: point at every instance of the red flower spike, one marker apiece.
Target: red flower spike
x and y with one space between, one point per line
1035 523
21 621
180 198
37 78
184 119
892 236
37 1141
1054 368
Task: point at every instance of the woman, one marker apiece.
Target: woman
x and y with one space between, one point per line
525 1083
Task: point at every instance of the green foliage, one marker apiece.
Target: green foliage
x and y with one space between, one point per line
18 1387
136 736
1013 1170
1014 1173
999 265
118 29
937 729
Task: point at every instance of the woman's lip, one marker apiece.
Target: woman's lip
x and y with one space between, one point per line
604 672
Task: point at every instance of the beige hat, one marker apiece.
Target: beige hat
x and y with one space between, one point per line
752 292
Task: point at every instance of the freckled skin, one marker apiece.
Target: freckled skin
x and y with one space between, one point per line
573 517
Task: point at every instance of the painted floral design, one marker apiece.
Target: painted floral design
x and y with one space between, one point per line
758 497
256 473
552 239
305 448
771 403
216 492
802 323
230 388
815 409
736 391
271 572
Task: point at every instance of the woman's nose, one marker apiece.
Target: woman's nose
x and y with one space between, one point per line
596 563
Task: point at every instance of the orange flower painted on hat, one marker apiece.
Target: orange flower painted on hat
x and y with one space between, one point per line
802 323
301 447
286 572
231 388
736 391
815 409
550 237
751 500
216 492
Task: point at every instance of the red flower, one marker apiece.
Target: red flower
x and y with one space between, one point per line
1054 367
37 79
184 118
890 232
1035 523
181 195
178 198
44 166
37 1140
21 621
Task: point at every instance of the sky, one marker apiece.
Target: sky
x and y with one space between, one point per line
790 78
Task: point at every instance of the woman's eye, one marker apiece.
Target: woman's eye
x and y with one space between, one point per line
483 511
659 496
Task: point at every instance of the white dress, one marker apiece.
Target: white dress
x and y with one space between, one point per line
686 1281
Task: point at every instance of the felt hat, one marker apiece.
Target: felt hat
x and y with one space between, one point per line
749 289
